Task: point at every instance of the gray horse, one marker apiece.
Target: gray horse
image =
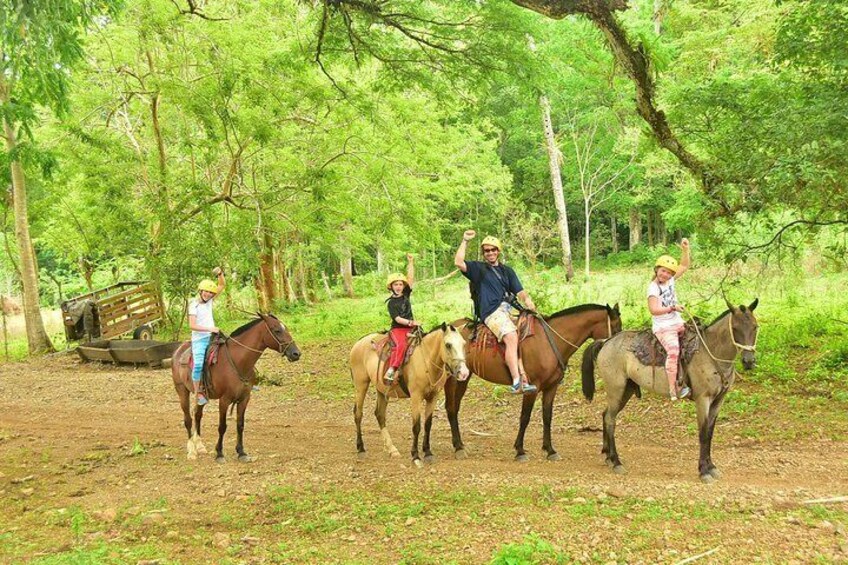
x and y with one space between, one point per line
711 372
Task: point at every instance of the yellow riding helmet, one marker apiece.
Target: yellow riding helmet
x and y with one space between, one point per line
396 277
208 285
493 241
667 262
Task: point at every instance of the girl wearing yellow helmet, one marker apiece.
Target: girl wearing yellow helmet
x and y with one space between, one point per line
202 326
400 311
668 324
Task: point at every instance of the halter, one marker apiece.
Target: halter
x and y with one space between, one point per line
736 344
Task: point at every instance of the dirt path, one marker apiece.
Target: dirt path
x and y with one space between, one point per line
92 463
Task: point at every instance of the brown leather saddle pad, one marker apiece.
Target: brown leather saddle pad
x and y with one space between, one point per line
212 353
384 345
650 352
483 338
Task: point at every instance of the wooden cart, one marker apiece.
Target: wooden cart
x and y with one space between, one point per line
127 307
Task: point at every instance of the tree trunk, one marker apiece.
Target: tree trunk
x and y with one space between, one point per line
660 8
614 233
37 339
380 265
347 271
662 234
635 228
266 273
303 283
291 296
587 212
326 282
649 221
556 184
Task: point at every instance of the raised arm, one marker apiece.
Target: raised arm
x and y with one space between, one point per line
218 272
459 258
410 269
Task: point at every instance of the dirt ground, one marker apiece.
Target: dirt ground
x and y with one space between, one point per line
93 469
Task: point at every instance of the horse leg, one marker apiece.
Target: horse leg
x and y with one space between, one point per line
380 413
428 424
361 388
416 400
241 409
198 416
223 404
454 391
526 410
548 396
715 406
185 404
616 401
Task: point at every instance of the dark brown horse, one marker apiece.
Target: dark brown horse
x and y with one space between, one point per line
232 378
567 331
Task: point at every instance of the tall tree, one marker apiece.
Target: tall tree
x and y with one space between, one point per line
39 42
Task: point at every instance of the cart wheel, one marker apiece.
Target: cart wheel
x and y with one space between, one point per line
144 332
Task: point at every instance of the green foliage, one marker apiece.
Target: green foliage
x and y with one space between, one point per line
532 550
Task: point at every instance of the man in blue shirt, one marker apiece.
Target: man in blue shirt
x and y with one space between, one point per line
497 286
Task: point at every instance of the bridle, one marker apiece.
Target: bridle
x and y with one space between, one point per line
282 347
575 346
739 346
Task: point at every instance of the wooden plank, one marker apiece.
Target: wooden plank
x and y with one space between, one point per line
127 325
142 301
145 290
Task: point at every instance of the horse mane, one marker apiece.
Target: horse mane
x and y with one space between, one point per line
244 328
720 316
576 310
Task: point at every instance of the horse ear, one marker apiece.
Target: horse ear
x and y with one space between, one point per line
444 327
754 304
616 309
730 306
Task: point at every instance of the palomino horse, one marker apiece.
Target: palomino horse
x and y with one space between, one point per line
440 352
566 331
232 378
711 372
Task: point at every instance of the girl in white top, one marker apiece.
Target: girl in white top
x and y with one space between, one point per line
202 326
668 324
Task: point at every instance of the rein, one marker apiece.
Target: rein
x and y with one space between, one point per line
281 349
547 325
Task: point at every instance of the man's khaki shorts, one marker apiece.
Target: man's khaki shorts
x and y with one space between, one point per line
500 321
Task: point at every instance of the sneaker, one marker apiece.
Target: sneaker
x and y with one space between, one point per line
685 392
673 398
254 388
389 377
528 388
515 388
201 399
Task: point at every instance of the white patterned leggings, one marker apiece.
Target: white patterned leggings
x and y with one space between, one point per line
670 340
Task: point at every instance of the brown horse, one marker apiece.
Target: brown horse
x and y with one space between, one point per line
711 372
440 354
566 331
232 378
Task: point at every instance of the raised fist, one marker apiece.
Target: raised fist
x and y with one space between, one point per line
216 271
469 235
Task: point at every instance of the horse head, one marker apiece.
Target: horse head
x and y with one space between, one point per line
610 326
743 331
454 351
278 337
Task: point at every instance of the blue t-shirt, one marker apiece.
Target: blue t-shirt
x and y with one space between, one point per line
493 284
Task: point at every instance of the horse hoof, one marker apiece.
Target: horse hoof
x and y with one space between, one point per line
714 473
394 453
554 456
460 454
609 463
429 459
361 455
522 458
619 469
245 458
191 456
418 463
220 459
707 479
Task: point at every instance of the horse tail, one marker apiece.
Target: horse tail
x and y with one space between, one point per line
589 357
